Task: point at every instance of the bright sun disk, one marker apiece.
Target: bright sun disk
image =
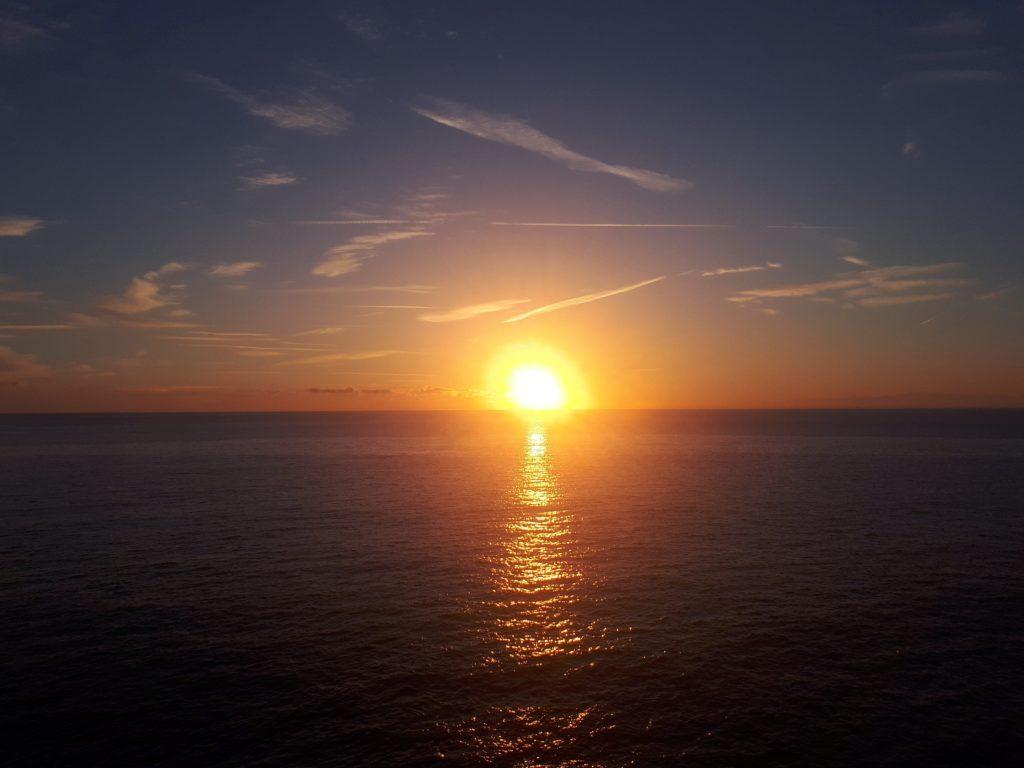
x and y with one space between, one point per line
536 388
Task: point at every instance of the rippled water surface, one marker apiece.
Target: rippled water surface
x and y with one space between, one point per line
716 589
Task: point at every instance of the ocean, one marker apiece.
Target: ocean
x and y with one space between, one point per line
673 588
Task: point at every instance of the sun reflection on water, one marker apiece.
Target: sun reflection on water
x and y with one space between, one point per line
535 579
539 647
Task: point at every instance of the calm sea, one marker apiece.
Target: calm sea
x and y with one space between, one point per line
648 589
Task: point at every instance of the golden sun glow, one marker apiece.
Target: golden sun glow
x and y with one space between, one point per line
536 378
536 388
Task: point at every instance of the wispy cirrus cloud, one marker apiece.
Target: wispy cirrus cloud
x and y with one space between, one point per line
413 288
944 77
575 301
876 287
36 327
19 297
234 269
944 56
229 334
392 306
801 289
956 24
269 179
334 357
15 366
296 109
329 330
348 257
19 226
109 318
849 251
739 270
367 28
891 301
998 293
857 261
8 296
176 389
505 129
605 225
471 311
424 209
14 32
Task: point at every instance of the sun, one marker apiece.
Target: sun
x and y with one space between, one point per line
536 388
535 378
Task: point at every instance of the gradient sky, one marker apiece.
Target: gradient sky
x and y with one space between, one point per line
333 205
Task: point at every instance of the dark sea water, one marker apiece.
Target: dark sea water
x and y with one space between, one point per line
648 589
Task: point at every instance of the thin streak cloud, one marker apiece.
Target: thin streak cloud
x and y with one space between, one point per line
338 356
471 311
52 327
738 270
20 297
889 301
505 129
606 225
352 222
585 299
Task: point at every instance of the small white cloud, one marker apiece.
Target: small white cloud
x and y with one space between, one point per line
140 296
505 129
143 293
235 269
19 226
471 311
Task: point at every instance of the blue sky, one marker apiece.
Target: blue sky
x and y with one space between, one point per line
357 188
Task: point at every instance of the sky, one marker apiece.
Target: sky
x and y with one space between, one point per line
332 205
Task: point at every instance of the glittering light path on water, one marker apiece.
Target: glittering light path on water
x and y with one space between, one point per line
535 631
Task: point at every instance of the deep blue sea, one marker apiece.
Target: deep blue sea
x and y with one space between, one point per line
456 589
